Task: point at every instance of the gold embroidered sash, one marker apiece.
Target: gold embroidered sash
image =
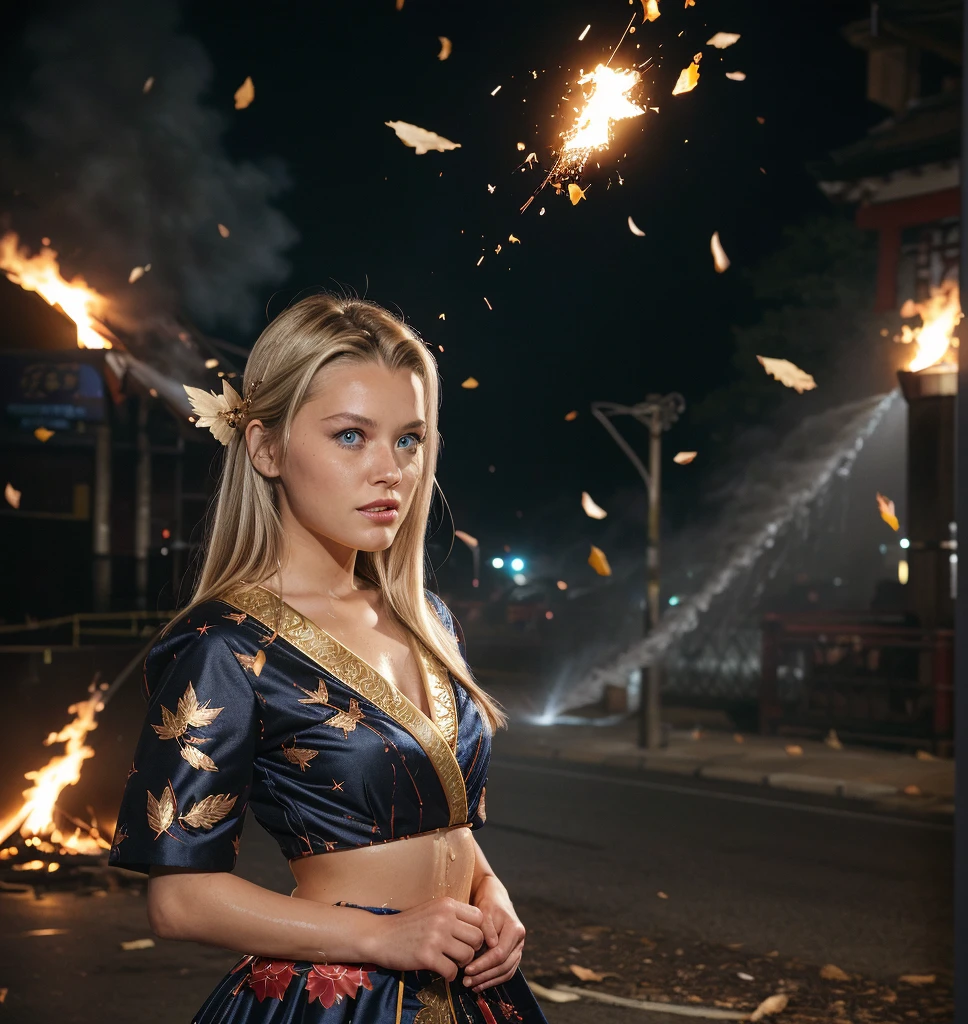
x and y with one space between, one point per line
437 740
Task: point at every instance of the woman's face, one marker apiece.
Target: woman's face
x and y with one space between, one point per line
358 440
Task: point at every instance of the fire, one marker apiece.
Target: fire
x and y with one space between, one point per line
608 101
41 274
35 818
939 314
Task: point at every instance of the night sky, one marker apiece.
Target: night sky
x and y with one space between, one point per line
582 309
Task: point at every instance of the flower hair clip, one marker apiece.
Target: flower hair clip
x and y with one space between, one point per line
220 413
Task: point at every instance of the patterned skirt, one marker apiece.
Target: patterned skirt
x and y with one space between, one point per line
262 991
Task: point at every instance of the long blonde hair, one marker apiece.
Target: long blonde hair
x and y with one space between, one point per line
245 538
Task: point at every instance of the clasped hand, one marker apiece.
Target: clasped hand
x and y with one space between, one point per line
504 934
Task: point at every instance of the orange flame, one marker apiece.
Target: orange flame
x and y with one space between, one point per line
41 274
939 314
35 818
607 102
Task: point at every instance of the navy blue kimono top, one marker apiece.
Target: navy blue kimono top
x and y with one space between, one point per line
285 719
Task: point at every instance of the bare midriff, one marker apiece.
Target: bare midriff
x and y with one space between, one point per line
401 873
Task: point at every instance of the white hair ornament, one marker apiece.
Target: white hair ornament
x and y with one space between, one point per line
223 413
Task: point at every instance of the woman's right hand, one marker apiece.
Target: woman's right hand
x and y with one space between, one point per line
435 936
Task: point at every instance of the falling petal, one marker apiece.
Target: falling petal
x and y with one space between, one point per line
651 10
886 508
576 194
736 76
688 77
149 82
635 229
136 274
210 364
471 382
245 94
723 39
599 562
589 507
513 238
43 434
224 231
441 316
788 374
684 458
12 495
445 48
569 416
419 139
720 259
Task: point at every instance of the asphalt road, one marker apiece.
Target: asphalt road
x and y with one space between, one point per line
868 892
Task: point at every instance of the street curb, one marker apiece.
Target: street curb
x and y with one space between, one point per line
791 781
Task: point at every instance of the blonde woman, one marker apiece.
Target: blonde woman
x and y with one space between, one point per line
314 680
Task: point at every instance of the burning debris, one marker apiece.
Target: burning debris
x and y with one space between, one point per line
36 841
940 314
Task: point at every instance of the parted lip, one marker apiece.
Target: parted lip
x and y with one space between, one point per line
388 502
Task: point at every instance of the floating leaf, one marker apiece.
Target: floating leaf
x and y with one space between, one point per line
650 10
136 274
886 508
210 364
635 229
197 759
138 944
786 373
419 139
573 415
831 972
43 434
720 259
149 82
224 231
514 238
599 562
662 895
470 541
684 458
245 94
688 77
723 39
770 1005
589 507
161 810
209 811
298 755
321 696
12 495
736 76
576 194
445 48
470 383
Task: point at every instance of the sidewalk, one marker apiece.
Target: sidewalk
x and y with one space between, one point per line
712 752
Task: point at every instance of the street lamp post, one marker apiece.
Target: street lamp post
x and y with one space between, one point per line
658 413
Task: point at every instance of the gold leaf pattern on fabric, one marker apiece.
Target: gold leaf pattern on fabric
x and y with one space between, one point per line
197 759
170 727
346 720
325 650
321 696
436 1006
209 811
237 617
252 662
298 755
481 810
193 714
441 695
161 810
235 845
198 740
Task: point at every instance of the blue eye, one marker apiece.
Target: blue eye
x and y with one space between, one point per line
417 440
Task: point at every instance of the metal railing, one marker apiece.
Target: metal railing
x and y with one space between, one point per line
81 629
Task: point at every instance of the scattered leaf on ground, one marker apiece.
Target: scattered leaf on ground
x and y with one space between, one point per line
585 973
599 562
794 749
788 374
833 740
831 972
720 259
589 507
886 508
12 495
772 1004
445 48
419 139
912 790
923 755
138 944
635 229
245 94
918 979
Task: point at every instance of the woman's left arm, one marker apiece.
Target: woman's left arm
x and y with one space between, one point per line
503 931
